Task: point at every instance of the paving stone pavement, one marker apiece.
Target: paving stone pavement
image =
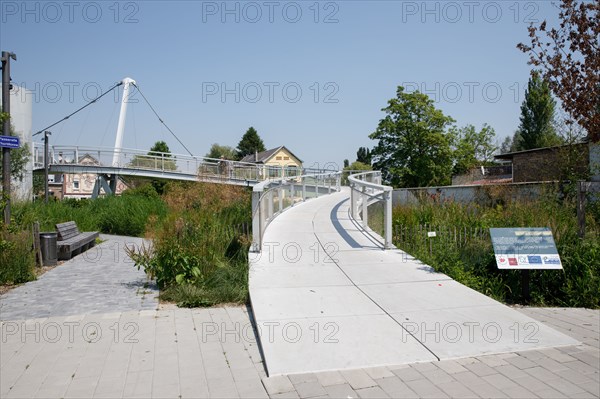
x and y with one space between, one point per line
562 372
102 279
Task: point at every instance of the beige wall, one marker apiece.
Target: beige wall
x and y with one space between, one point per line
283 159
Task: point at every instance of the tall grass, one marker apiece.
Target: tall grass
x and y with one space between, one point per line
124 215
199 256
471 260
17 259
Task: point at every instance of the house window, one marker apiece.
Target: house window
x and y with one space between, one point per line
274 172
76 184
286 158
292 171
278 158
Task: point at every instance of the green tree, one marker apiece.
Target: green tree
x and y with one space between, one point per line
159 157
250 143
536 129
19 157
511 143
363 155
358 166
354 166
472 148
160 148
506 145
217 151
413 149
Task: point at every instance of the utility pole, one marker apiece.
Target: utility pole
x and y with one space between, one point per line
6 56
46 191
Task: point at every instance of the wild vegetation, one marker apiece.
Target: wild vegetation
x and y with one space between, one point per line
125 215
199 252
462 248
16 257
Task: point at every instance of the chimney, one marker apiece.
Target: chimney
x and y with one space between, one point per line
256 156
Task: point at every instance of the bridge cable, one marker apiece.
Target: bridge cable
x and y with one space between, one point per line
160 119
80 109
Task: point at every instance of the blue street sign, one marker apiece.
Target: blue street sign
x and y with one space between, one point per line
9 142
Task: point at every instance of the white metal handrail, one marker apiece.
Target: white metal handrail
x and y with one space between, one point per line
161 162
366 189
271 198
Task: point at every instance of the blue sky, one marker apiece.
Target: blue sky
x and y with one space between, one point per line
310 75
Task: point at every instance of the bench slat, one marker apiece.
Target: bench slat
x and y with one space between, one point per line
72 241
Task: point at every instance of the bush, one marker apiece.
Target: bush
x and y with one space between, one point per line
16 257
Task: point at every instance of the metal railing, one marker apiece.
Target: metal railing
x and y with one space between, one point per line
204 168
271 198
365 190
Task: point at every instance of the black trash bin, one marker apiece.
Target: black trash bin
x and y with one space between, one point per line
48 247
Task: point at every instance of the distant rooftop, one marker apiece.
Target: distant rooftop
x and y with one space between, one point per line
264 156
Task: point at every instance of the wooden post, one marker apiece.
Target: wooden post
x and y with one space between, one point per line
581 200
37 248
525 279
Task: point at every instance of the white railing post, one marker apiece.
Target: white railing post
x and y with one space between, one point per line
280 195
270 205
367 185
365 204
387 215
352 200
292 193
303 189
256 222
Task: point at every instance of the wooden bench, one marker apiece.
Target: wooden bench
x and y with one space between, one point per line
71 241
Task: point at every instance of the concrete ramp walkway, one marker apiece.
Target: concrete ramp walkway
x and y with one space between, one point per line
325 296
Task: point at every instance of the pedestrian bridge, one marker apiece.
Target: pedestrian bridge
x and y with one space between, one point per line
327 294
107 162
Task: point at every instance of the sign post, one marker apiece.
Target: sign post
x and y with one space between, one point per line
6 56
525 249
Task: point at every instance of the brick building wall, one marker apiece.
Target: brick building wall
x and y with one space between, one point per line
548 164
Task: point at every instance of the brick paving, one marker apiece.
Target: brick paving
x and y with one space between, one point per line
102 279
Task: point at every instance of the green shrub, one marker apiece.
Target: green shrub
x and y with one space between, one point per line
16 257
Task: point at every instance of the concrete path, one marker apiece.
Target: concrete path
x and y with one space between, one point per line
102 279
326 297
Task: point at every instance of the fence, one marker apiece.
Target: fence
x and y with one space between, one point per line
271 198
367 191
